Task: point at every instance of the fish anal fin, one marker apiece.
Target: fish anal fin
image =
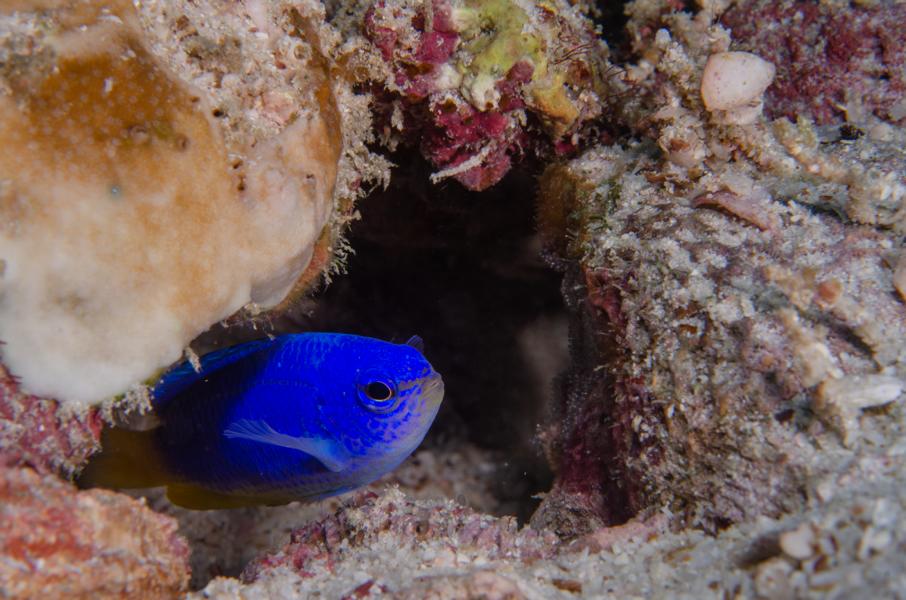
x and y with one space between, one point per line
128 459
326 451
195 497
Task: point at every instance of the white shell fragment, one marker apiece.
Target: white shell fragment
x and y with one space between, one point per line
733 85
838 401
798 543
861 391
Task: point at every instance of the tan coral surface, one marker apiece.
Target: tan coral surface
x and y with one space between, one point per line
130 219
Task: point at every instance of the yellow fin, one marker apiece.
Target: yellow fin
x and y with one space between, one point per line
128 459
195 497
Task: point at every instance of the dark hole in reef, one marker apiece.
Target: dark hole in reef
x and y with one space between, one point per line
611 18
463 271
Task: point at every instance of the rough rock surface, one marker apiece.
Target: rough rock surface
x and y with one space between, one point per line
36 432
478 86
719 341
368 536
734 301
832 60
58 542
844 544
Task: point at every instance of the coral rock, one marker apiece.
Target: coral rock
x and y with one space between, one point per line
156 175
478 84
61 543
689 384
371 542
733 288
36 432
423 526
829 59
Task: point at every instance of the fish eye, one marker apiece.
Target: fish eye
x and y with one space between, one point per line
378 391
378 394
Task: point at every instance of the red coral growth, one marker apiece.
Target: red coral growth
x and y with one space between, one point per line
458 129
824 55
33 432
58 542
411 524
475 145
415 60
456 132
450 130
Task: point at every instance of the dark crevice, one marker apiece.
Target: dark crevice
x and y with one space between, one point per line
462 270
610 16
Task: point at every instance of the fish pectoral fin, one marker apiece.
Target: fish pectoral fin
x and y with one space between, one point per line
328 452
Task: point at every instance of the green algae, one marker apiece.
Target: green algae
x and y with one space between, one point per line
497 35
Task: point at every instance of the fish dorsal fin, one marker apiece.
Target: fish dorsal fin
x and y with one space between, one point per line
416 342
328 452
183 375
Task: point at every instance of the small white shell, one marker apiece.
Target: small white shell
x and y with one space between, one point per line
735 82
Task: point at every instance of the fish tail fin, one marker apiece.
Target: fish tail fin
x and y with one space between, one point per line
128 459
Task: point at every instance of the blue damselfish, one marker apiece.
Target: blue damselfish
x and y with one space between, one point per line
297 417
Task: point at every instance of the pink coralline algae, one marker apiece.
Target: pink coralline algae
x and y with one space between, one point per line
479 86
419 59
33 431
826 58
590 442
58 542
460 132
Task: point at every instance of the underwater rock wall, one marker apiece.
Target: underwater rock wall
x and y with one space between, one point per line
737 282
726 206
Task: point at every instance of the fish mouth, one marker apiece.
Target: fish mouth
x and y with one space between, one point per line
433 390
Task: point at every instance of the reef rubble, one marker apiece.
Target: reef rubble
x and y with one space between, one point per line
480 86
60 542
844 544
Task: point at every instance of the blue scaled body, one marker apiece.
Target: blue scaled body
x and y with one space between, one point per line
298 417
